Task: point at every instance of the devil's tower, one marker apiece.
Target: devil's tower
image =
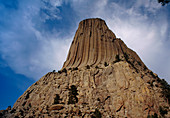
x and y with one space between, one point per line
94 43
101 77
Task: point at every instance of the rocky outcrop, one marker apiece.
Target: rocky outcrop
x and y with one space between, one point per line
101 77
94 43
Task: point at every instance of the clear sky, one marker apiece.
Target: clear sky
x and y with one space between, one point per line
35 36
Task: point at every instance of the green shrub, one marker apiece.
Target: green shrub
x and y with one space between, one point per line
144 68
117 59
126 56
139 63
162 111
13 110
88 67
106 64
96 114
155 115
76 68
152 74
64 70
149 116
152 116
165 89
57 99
73 95
131 63
59 72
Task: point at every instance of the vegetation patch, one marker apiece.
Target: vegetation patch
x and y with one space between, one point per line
73 95
59 72
165 89
57 99
75 68
64 70
96 114
151 83
139 63
131 63
28 94
163 111
144 68
106 64
88 67
153 116
117 59
126 56
152 74
13 111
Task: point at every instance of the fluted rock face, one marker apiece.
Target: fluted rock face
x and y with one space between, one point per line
92 44
95 43
101 77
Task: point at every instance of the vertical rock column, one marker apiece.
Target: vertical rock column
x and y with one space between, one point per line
95 43
92 44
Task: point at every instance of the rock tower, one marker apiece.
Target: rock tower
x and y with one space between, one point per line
101 77
94 43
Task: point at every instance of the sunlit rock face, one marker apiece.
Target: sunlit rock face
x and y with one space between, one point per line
101 77
95 43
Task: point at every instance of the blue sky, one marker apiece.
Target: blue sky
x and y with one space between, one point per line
35 36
